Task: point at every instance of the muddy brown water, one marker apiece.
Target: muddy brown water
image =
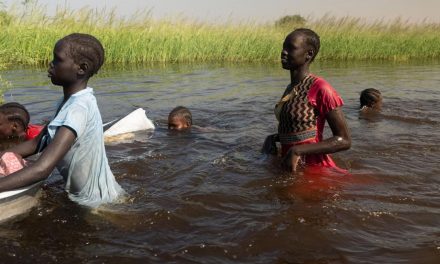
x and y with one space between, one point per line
209 196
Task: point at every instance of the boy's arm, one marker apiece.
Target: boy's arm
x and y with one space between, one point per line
41 169
27 148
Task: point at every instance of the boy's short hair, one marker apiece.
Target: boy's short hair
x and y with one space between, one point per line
183 112
369 97
85 47
16 112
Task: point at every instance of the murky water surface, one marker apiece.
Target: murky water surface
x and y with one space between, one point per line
209 196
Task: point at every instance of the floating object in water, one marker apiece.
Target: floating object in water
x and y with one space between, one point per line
19 201
123 128
135 121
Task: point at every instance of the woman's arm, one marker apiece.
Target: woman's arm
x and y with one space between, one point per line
269 145
341 140
41 169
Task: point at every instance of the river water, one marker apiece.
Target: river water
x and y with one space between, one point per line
209 196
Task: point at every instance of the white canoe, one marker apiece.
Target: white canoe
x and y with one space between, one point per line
17 202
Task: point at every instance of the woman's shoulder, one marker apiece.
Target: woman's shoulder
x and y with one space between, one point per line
321 86
320 82
323 94
287 90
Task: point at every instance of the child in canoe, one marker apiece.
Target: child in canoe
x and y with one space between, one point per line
14 125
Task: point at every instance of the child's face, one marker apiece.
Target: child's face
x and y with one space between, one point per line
62 70
177 122
5 127
373 106
378 105
8 128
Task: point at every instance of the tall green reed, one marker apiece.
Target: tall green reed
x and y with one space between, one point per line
28 37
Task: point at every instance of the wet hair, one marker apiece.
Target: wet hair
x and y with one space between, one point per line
369 97
312 39
16 112
85 48
182 112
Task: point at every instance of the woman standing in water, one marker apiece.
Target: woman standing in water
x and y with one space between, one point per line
306 104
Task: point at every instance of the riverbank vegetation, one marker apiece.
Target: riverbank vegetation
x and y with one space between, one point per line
28 36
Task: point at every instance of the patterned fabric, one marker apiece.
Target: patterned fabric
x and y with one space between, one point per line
293 138
10 163
296 114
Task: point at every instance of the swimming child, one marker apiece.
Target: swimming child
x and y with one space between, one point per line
370 99
73 140
307 103
180 118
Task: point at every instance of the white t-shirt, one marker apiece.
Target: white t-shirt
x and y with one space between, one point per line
85 169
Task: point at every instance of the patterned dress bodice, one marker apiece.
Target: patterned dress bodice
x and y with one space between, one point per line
294 111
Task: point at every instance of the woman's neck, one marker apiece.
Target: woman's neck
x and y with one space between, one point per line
296 76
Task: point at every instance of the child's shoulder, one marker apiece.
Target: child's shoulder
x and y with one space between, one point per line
84 98
84 93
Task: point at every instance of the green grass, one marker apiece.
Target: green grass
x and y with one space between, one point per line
28 36
4 86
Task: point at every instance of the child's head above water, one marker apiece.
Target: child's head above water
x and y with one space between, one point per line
371 99
179 118
76 55
14 119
